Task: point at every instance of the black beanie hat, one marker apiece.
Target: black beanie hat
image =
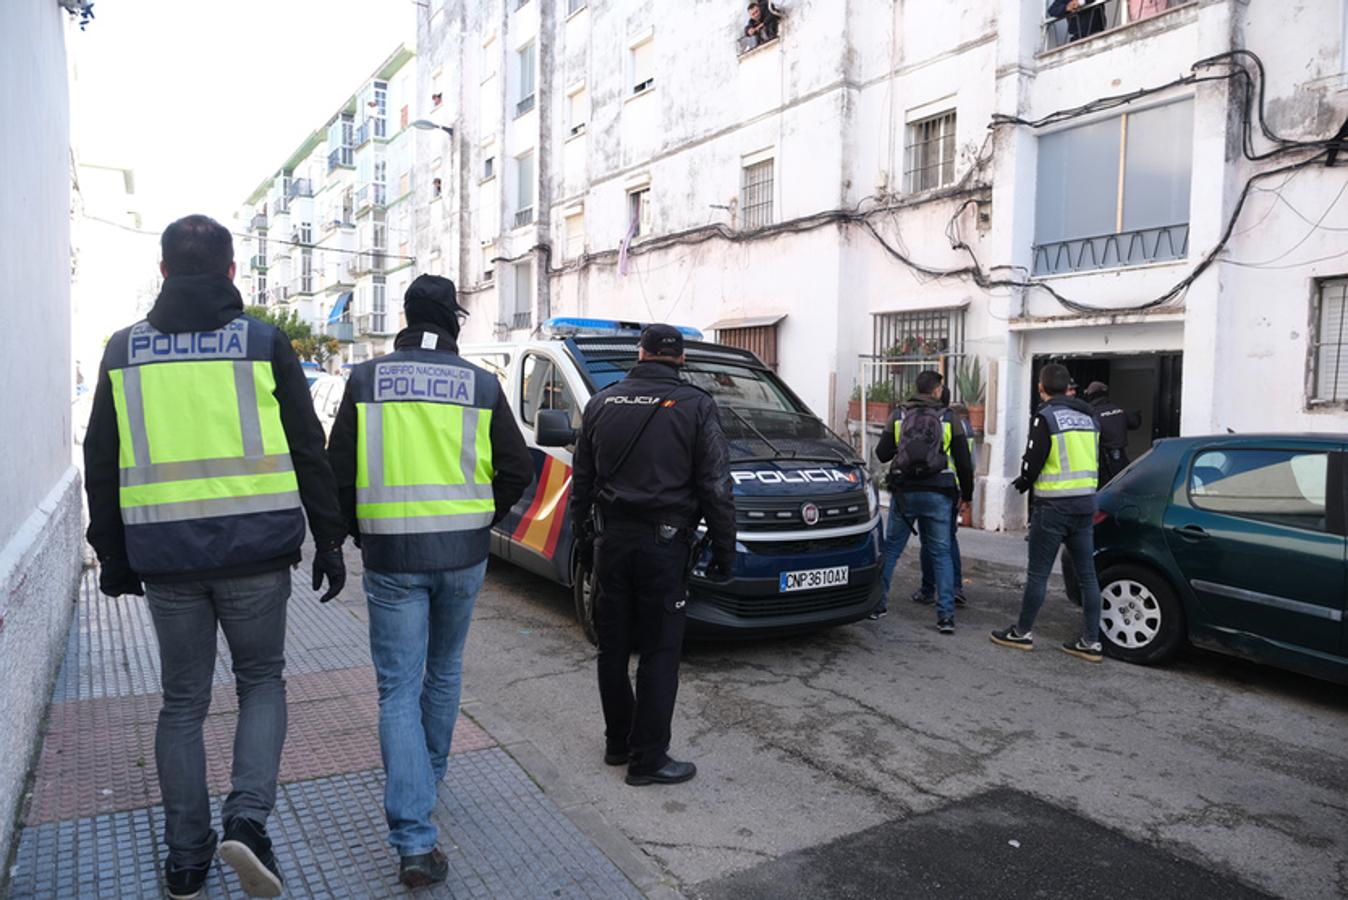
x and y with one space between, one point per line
430 300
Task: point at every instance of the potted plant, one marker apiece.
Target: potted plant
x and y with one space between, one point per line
854 404
969 380
880 400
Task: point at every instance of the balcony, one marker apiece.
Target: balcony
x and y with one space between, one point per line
258 263
367 261
300 187
1099 16
342 331
371 196
1109 251
524 217
280 204
279 294
259 222
342 157
370 324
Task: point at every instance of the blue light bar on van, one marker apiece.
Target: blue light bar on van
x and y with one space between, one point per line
570 326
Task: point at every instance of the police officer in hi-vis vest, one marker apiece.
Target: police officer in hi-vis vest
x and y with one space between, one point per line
1060 463
428 457
202 457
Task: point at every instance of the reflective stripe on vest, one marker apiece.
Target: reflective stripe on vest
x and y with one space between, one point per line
199 439
423 467
1071 467
945 442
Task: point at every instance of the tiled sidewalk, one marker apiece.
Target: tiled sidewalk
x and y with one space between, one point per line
93 825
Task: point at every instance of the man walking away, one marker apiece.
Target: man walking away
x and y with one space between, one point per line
926 594
930 479
427 457
202 449
1060 463
650 464
1114 422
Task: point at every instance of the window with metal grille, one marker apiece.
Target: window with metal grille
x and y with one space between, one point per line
916 341
1329 344
930 153
756 194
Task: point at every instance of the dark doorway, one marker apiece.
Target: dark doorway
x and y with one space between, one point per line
1148 383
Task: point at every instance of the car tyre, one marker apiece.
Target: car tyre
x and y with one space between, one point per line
582 591
1141 619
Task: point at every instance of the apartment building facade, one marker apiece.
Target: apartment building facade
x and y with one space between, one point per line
897 185
329 232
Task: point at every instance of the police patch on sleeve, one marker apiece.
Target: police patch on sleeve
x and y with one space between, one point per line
428 382
146 344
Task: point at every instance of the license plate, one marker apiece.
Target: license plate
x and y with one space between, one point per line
812 579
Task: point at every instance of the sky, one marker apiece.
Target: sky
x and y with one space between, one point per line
204 100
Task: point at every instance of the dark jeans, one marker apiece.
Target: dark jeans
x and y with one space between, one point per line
252 613
641 583
929 512
929 562
1051 528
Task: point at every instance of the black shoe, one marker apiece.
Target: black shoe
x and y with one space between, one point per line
1010 637
922 599
945 626
1083 650
615 757
672 772
186 882
877 614
247 850
424 869
960 600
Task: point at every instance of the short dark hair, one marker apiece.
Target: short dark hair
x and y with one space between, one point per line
928 381
1054 379
197 245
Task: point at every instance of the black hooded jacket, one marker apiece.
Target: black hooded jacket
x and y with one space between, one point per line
205 303
1036 454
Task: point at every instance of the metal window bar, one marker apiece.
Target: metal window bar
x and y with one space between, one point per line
756 194
1329 349
931 153
1108 251
920 340
1100 17
524 216
524 105
521 320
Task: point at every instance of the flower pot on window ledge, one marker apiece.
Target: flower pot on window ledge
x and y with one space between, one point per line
878 412
977 414
854 410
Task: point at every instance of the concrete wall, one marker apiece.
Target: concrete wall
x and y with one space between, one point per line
40 513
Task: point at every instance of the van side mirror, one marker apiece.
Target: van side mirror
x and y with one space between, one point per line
553 428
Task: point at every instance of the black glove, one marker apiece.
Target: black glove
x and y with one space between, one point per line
585 546
719 570
1021 485
331 564
116 579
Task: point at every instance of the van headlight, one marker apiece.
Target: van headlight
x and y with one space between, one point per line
872 499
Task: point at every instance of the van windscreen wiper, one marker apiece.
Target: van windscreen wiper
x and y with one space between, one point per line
777 451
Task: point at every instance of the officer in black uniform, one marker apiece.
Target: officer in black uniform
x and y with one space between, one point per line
1115 423
650 463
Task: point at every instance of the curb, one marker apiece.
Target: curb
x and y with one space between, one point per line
629 859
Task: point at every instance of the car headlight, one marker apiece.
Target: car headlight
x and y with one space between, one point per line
872 499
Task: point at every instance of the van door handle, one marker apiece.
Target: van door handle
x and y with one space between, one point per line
1192 533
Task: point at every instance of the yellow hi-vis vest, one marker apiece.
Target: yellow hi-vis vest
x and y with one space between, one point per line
423 445
1073 454
945 439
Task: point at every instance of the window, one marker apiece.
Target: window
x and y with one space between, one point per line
756 194
760 340
643 66
306 232
260 289
524 189
437 187
1283 487
1085 219
488 167
378 297
380 109
526 58
489 262
922 339
522 316
306 271
930 152
575 236
1329 342
577 108
544 387
574 6
639 212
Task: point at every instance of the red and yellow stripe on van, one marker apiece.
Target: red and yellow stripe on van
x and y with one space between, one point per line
541 524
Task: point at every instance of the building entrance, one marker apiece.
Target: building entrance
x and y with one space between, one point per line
1146 383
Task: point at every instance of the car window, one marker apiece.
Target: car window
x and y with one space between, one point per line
321 391
496 363
1285 487
544 387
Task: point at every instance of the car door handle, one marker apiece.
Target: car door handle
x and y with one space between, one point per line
1191 533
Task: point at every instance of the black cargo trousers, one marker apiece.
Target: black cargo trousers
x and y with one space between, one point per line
641 582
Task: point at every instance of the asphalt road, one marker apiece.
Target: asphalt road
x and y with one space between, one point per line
843 740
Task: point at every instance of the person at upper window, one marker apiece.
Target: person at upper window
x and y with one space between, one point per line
1084 17
762 26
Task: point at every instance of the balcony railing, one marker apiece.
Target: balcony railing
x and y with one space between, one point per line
524 105
1101 16
280 204
259 261
371 196
524 216
521 320
300 187
342 331
259 222
1108 251
343 157
279 294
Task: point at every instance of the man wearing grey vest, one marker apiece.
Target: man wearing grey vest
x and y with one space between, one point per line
427 457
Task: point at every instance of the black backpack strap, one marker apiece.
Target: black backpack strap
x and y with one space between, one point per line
631 444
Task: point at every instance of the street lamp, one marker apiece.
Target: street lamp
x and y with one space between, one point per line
428 125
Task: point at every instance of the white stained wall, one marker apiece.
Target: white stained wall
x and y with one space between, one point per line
40 511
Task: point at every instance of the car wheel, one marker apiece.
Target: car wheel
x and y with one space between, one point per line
582 590
1141 620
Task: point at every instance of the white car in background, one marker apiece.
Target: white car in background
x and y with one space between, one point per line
327 391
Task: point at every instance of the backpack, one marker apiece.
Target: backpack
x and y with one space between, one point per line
921 444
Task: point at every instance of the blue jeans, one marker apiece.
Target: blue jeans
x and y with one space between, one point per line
418 626
930 512
252 613
1049 529
928 567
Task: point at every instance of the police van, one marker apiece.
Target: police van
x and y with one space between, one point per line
809 525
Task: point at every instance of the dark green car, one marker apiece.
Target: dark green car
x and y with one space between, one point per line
1236 543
